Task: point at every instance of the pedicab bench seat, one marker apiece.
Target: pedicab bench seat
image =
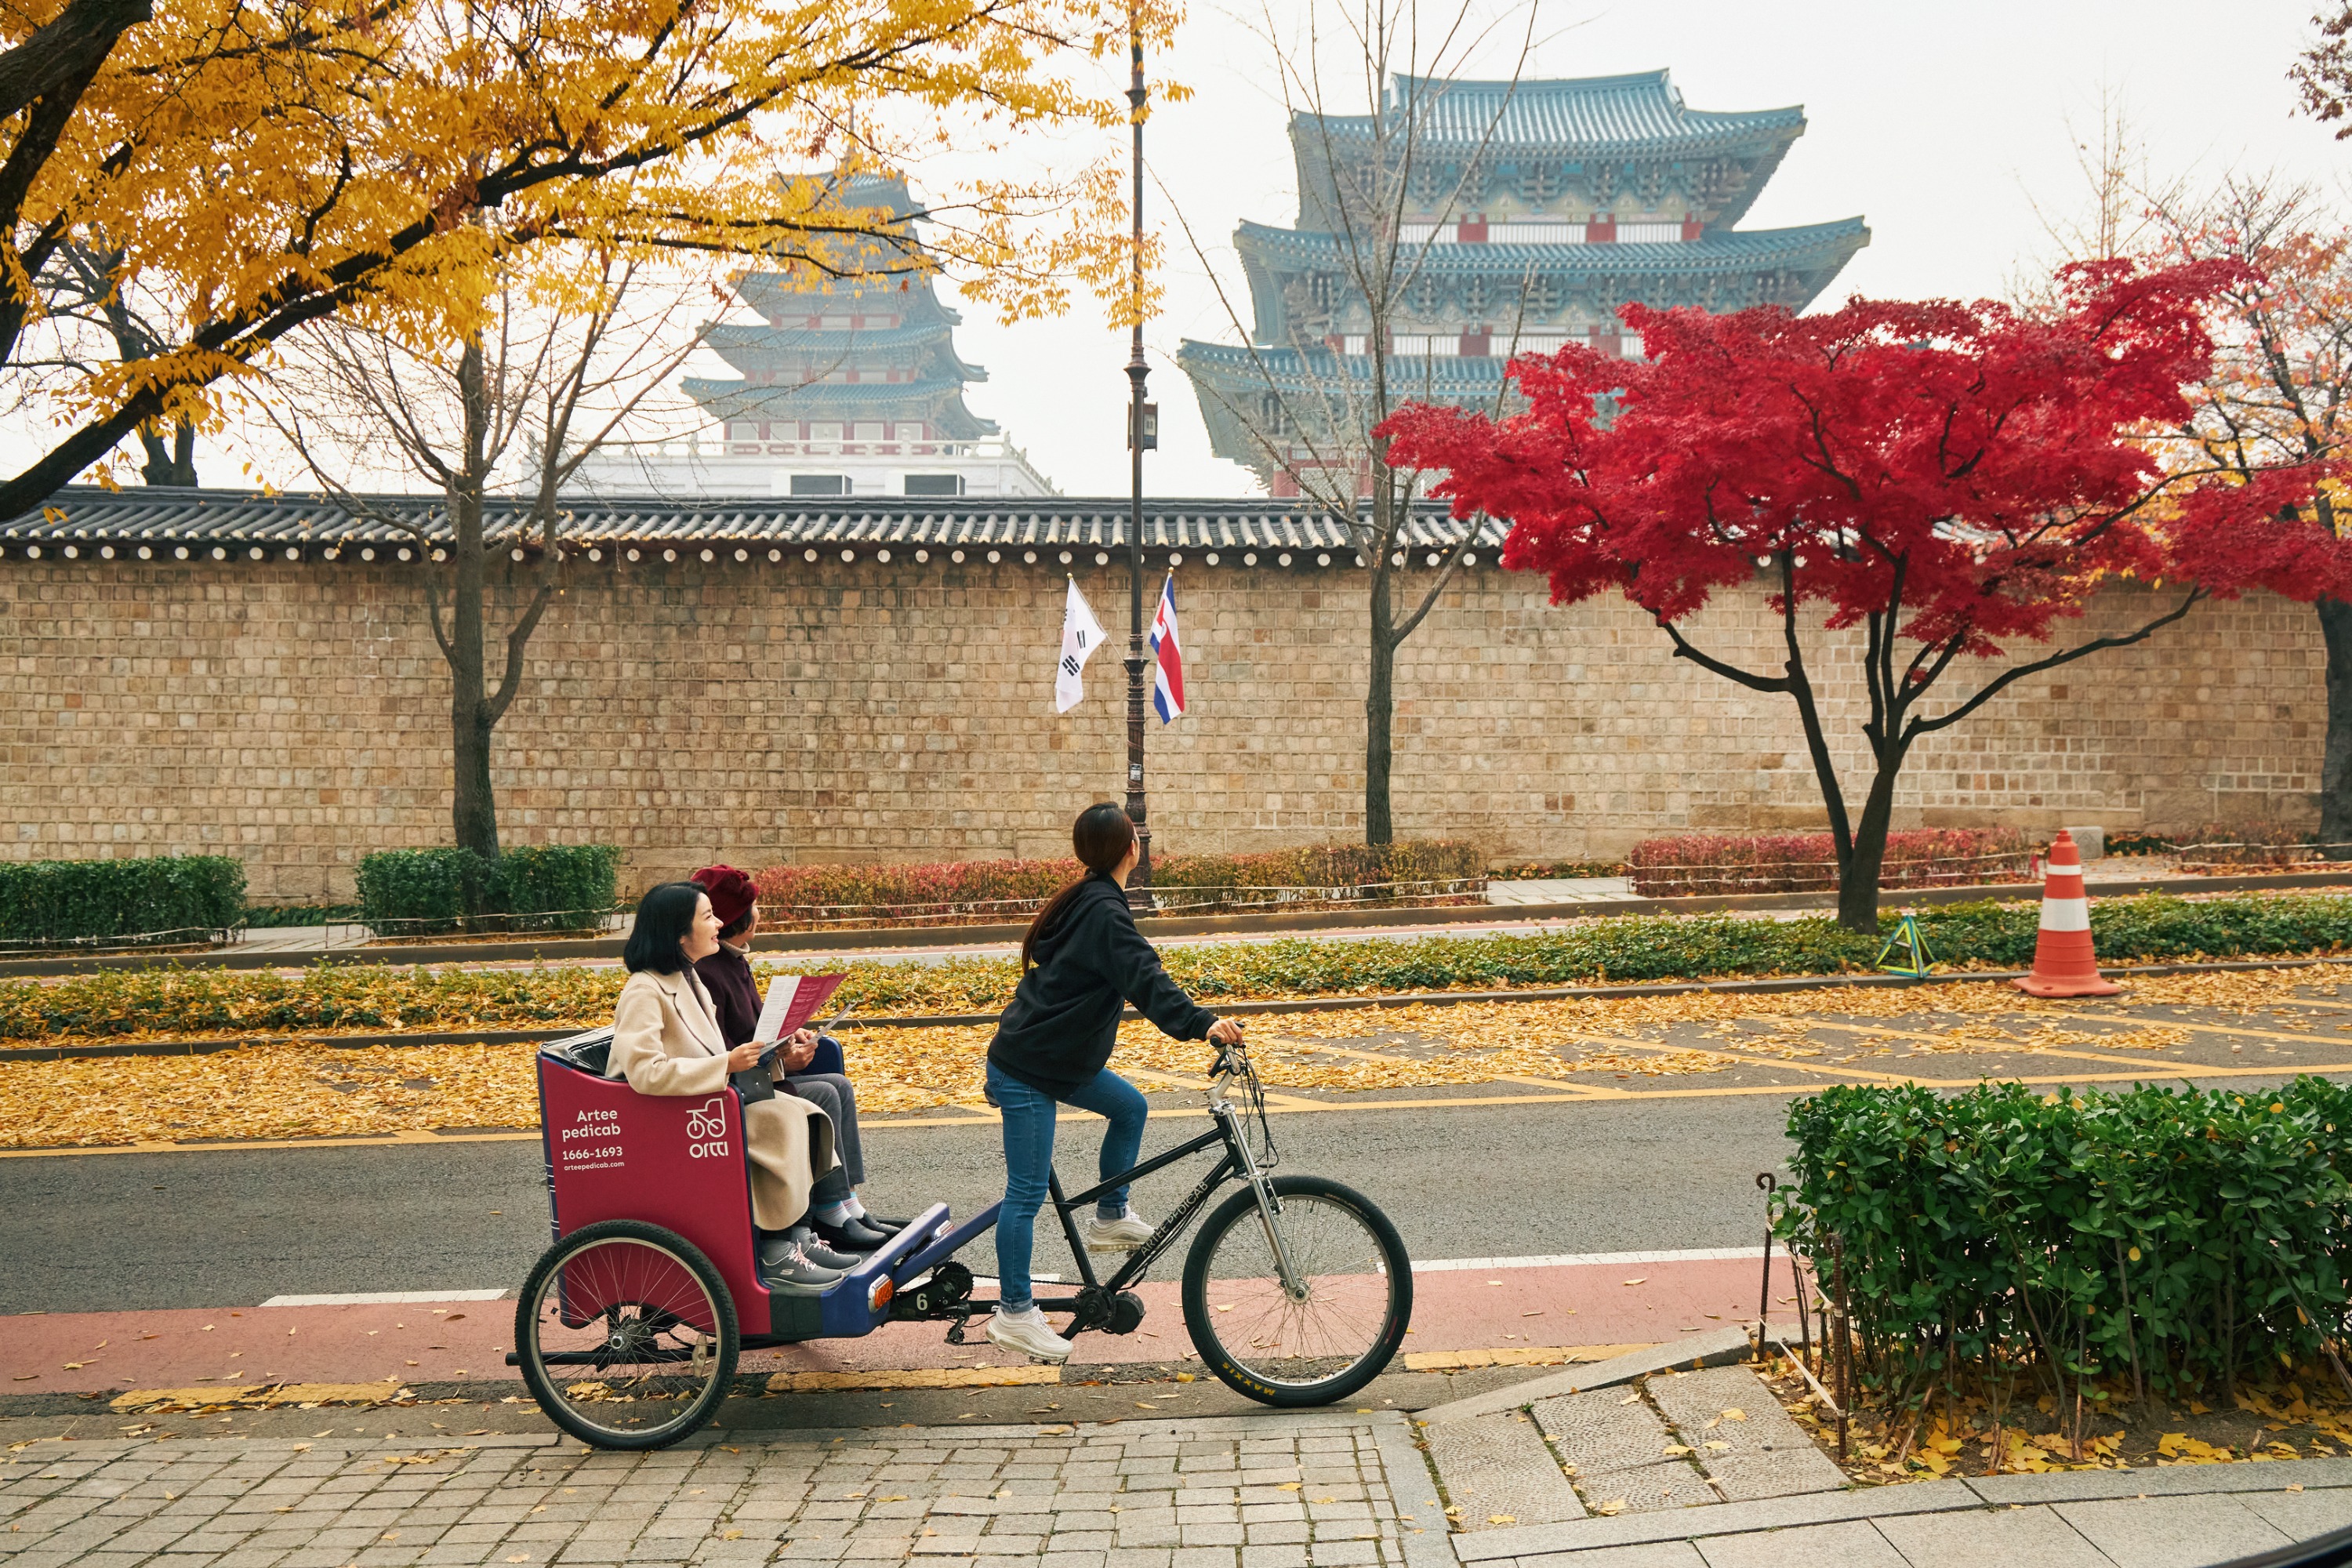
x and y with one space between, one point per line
679 1162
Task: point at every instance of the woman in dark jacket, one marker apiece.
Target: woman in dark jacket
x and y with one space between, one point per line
1081 964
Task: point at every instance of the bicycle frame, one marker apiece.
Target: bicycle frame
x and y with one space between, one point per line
1237 1160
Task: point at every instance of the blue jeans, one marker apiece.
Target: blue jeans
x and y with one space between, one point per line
1029 1164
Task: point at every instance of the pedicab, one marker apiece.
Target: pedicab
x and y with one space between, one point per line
1297 1290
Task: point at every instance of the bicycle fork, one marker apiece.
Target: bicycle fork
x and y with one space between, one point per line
1269 1207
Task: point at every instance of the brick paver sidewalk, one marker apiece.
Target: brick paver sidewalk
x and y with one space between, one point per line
1278 1492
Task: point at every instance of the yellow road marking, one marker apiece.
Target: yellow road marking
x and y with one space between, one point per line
2224 1029
1832 1070
1408 1061
1986 1048
1180 1081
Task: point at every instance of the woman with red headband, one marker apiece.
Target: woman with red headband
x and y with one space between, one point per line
838 1229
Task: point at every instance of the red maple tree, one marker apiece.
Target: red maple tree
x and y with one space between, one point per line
1952 480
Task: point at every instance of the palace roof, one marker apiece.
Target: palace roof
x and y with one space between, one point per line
1832 245
937 400
1627 115
747 346
775 294
230 524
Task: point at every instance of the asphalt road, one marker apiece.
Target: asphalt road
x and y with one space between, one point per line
116 1232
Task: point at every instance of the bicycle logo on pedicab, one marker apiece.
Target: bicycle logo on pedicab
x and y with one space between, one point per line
706 1130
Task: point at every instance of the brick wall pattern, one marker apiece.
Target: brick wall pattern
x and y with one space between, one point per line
297 714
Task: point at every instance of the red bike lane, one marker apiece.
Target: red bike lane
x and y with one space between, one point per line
1498 1308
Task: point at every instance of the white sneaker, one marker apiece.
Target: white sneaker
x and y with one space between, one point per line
1029 1333
1124 1234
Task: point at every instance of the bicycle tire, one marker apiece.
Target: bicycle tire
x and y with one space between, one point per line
1266 1372
632 1430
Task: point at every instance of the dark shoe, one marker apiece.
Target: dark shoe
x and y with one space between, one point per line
886 1227
851 1236
784 1268
818 1253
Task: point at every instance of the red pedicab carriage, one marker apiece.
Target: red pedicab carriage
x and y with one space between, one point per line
629 1326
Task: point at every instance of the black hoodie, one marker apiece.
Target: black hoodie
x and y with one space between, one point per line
1058 1032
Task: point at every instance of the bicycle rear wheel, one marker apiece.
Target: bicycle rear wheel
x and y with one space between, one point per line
1326 1341
626 1336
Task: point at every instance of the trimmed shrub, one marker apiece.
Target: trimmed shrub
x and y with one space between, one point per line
423 892
812 895
1806 862
162 898
2233 845
1435 867
557 887
1532 870
2001 1226
1012 890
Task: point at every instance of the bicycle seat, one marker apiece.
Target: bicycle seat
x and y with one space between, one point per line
589 1052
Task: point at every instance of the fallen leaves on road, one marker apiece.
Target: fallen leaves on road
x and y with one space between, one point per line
311 1088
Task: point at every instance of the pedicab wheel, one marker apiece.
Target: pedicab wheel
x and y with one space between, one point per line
1323 1343
626 1336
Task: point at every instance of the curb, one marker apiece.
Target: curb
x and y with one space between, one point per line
1156 925
1724 1347
1235 1009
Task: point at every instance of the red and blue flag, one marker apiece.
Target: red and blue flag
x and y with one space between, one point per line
1167 655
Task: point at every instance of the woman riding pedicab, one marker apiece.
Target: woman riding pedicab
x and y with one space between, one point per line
837 1230
666 1040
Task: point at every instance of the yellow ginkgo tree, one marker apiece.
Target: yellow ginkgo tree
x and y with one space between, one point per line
254 165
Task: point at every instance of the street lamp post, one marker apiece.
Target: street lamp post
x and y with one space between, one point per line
1141 433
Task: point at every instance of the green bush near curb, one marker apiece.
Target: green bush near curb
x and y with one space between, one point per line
425 892
2184 1236
182 897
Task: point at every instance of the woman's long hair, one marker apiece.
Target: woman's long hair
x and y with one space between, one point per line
1101 835
665 919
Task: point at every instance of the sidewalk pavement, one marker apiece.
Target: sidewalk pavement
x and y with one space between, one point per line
1275 1490
1279 1491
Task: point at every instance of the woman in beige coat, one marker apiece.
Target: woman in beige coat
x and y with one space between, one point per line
665 1041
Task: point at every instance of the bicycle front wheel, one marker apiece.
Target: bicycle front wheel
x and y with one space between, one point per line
1327 1338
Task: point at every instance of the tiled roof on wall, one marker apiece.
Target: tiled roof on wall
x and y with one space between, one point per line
248 523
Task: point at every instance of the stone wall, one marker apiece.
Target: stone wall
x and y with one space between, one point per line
296 713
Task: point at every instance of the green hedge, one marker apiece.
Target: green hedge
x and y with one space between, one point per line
554 887
1595 952
183 898
2191 1237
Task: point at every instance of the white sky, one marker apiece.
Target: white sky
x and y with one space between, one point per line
1938 130
1942 132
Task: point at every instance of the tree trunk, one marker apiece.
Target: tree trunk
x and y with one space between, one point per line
1858 875
2336 758
1380 718
1380 712
173 462
473 809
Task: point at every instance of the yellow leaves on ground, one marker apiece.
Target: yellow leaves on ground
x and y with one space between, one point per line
266 1092
310 1088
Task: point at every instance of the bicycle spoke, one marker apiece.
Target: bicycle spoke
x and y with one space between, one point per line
1337 1321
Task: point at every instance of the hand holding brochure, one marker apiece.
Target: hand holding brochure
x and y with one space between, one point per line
793 1001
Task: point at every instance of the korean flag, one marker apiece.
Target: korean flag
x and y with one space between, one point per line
1081 635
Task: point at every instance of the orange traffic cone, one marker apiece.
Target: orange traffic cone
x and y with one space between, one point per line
2063 963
